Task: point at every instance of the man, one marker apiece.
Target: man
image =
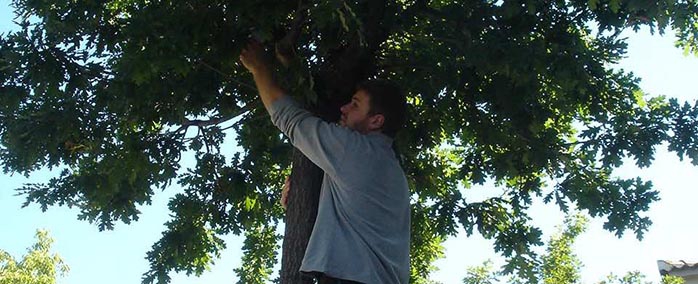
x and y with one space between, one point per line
362 229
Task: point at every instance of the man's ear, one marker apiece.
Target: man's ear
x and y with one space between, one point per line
376 121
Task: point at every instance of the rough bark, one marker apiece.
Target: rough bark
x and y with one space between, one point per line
300 216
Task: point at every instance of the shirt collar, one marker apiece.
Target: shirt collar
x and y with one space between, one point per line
381 136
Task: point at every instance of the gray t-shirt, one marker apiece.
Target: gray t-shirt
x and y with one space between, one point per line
362 230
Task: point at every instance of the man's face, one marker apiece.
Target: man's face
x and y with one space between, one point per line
355 114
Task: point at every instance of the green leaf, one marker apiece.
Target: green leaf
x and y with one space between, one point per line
615 5
593 4
342 19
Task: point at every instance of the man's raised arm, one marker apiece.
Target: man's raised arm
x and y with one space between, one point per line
323 143
254 59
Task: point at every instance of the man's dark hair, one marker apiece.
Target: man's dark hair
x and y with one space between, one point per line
386 98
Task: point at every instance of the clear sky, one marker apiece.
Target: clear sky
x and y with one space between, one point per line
118 256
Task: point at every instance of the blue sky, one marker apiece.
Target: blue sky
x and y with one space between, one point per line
118 256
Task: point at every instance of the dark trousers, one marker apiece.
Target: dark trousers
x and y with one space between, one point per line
322 279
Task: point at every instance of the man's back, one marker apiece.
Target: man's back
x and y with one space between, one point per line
362 229
363 223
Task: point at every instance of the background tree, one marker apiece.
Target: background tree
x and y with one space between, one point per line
38 266
114 93
482 274
559 264
635 277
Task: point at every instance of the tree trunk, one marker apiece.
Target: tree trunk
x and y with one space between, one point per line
306 180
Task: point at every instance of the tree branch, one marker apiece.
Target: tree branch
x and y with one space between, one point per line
204 123
284 49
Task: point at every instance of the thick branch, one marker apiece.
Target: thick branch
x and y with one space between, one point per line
285 48
214 121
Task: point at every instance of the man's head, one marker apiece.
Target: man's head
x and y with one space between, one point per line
377 105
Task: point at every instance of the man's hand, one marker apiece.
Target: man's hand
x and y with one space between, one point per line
253 58
256 61
284 192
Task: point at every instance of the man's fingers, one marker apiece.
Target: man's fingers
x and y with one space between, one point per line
252 56
284 192
254 43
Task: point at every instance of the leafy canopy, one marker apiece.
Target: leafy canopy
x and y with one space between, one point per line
520 92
